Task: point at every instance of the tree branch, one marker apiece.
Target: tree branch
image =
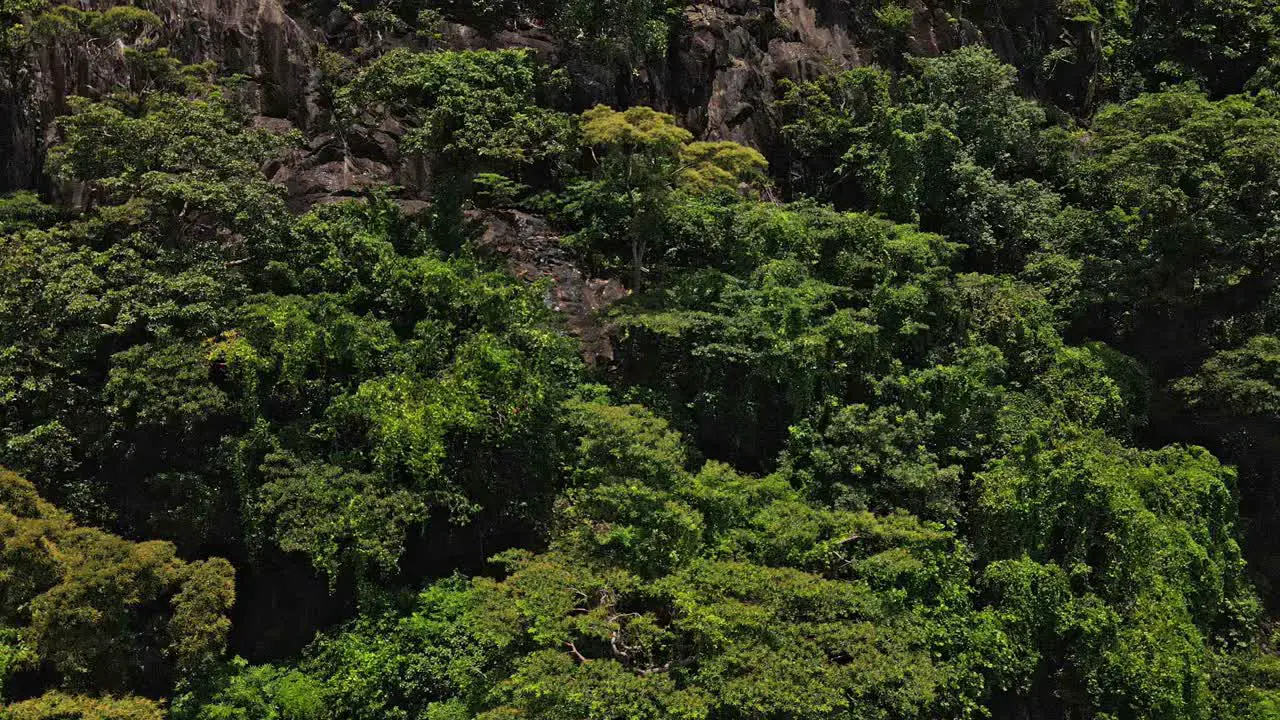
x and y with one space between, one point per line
573 650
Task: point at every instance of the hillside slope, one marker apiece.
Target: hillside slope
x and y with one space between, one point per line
389 359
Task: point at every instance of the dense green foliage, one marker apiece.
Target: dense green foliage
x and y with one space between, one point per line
911 425
90 608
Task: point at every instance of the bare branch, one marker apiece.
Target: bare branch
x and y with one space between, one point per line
573 650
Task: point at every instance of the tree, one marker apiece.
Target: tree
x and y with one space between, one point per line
645 163
1240 382
1183 188
467 104
472 112
667 593
1115 567
100 613
952 146
103 314
58 706
384 384
24 211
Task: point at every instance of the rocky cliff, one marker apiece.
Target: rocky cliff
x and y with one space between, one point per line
256 38
720 74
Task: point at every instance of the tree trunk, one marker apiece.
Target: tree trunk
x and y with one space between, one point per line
637 264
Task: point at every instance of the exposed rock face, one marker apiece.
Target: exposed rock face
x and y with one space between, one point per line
935 31
332 167
1023 33
720 77
722 73
533 252
256 38
725 68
